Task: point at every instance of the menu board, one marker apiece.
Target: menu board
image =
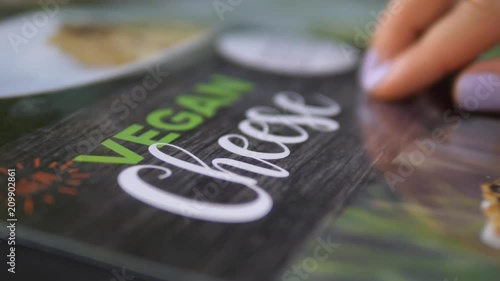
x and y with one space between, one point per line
217 170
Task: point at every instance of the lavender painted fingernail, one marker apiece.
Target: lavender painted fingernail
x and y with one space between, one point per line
479 92
373 70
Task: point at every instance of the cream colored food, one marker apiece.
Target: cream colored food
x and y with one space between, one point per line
113 45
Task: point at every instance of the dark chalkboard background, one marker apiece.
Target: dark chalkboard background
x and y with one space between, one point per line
105 226
101 232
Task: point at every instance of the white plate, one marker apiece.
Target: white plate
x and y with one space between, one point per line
30 65
289 53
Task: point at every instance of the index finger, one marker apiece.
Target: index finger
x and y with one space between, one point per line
400 25
403 21
470 29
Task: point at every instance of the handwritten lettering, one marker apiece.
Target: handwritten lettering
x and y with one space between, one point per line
258 126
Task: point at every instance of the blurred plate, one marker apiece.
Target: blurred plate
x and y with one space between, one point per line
286 52
32 65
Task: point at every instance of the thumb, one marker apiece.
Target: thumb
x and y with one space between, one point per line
477 89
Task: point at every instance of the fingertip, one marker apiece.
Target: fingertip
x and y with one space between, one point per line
478 89
373 71
382 79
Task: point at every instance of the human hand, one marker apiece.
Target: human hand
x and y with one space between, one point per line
429 39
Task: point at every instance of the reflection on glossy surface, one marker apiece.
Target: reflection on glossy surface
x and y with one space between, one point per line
421 218
435 154
429 148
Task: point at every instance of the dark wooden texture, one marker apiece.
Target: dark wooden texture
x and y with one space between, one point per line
108 230
104 224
